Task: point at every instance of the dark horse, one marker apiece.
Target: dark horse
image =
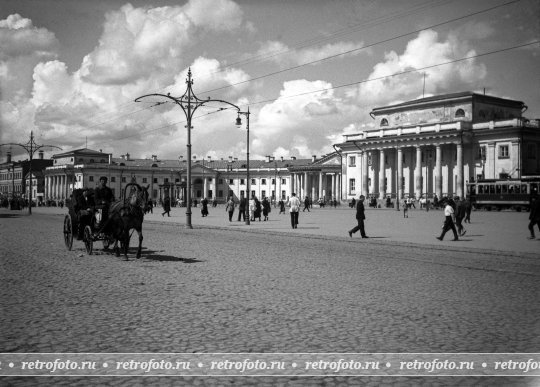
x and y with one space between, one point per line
128 214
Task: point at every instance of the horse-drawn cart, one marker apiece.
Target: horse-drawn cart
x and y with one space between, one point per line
83 222
84 219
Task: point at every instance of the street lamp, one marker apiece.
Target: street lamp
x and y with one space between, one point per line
31 147
189 104
239 123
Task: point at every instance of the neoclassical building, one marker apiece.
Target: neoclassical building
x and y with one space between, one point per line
210 178
436 145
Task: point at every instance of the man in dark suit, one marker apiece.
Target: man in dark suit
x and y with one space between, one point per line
242 208
534 216
360 216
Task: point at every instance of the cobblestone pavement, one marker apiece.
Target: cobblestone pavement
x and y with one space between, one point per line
246 289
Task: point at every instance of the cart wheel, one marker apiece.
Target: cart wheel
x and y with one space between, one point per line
88 240
68 232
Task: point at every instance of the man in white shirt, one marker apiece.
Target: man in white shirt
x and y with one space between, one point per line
294 202
449 221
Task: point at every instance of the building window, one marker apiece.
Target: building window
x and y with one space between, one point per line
460 113
90 178
283 195
531 151
352 186
231 181
253 181
242 182
177 180
220 181
145 180
481 153
123 179
384 122
220 193
113 179
503 152
231 194
263 182
263 194
155 180
273 181
166 180
352 161
283 181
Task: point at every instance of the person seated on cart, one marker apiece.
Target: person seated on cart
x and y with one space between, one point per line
85 205
103 197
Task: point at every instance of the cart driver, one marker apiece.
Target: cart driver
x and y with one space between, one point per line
103 197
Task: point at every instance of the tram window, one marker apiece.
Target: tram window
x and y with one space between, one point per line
534 188
504 188
480 189
492 189
524 188
473 189
497 188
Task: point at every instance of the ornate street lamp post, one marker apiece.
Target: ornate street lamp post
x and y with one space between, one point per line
189 104
239 123
30 147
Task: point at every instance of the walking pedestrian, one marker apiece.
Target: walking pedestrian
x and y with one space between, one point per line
468 209
230 208
294 203
204 208
266 208
258 209
460 215
360 217
242 208
166 206
534 216
281 206
252 208
449 215
306 204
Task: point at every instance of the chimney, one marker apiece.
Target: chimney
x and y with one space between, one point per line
40 153
127 156
268 159
313 158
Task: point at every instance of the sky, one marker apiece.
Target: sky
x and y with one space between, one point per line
309 71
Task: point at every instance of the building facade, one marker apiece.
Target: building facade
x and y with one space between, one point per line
436 145
318 178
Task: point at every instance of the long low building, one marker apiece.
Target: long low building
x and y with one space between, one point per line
318 178
436 145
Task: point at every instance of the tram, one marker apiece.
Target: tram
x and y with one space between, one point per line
493 194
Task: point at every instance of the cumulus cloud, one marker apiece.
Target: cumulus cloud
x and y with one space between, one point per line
424 51
281 54
143 42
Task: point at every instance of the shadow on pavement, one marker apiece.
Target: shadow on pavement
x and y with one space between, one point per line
10 215
152 255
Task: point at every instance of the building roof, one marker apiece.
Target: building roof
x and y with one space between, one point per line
437 99
82 151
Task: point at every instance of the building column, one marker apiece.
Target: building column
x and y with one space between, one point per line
438 171
365 176
334 186
399 182
418 172
382 175
306 184
320 195
313 187
459 188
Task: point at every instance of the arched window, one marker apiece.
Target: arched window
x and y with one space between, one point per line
384 122
91 160
154 165
460 113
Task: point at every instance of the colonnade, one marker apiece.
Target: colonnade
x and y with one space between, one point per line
397 169
57 187
316 185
